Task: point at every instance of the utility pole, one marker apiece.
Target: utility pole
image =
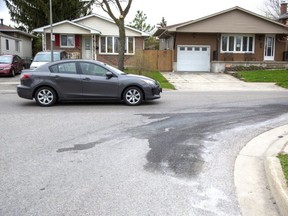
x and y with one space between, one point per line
51 32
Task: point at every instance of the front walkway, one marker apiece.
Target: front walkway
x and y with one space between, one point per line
201 81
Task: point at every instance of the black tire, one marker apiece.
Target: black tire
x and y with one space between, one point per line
12 72
133 96
45 96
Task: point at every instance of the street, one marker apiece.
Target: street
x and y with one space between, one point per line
173 156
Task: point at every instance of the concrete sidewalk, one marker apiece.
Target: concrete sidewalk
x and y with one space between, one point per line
258 174
203 81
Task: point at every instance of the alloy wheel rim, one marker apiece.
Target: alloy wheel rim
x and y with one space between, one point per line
133 96
45 97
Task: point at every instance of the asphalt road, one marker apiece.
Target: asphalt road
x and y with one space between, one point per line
173 156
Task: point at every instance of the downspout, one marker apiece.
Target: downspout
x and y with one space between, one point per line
217 47
44 41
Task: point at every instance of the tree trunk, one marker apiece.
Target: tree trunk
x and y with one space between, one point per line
122 42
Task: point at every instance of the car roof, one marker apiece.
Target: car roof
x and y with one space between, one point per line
7 55
49 51
77 60
47 65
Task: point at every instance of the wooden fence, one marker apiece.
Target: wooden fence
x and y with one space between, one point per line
161 60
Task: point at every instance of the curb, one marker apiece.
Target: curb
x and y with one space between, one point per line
258 175
278 185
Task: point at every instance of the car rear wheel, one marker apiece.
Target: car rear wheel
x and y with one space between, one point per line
45 96
133 96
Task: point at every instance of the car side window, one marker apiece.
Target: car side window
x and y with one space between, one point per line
65 68
92 69
17 59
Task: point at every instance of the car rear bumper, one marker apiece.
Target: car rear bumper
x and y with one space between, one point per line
24 92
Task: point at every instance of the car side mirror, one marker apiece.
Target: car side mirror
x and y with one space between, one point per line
109 74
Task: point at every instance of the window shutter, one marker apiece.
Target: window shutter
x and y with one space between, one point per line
57 40
77 40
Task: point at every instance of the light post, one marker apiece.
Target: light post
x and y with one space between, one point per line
51 32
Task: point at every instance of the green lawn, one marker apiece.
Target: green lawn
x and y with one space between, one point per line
156 75
280 77
284 163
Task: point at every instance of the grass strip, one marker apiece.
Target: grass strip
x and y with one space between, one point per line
280 77
284 163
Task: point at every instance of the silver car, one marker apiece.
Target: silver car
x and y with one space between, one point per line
85 80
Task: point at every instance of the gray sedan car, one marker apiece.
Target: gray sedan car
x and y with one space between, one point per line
85 80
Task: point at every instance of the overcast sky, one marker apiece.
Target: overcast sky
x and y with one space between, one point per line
173 11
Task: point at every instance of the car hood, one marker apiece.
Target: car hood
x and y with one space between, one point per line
5 65
37 64
139 76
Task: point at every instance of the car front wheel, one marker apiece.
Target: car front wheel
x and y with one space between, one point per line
13 72
45 96
133 96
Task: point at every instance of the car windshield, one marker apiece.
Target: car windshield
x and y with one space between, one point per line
117 71
46 57
5 59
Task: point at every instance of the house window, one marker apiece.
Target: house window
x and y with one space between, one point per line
17 46
7 44
130 45
68 41
237 43
116 45
110 45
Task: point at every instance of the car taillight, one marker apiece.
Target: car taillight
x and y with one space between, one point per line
25 76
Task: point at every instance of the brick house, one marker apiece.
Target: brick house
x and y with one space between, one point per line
231 37
92 37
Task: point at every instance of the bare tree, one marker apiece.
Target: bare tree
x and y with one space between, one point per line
119 18
271 8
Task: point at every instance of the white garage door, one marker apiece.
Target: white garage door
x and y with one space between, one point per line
193 58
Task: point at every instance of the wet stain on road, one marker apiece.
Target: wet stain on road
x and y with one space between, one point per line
79 147
179 142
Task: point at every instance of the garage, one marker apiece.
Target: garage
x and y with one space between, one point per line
193 58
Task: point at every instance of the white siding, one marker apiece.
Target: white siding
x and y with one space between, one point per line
67 28
25 46
105 27
11 49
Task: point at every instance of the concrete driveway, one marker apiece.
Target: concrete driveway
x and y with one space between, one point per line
201 81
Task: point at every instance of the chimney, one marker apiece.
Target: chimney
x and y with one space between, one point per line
1 22
283 7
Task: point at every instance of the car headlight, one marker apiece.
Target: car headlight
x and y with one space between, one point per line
7 68
149 82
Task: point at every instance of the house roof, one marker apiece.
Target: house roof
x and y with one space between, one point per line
42 29
8 36
109 20
4 28
233 20
77 23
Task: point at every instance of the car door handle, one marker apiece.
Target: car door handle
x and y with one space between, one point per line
86 79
